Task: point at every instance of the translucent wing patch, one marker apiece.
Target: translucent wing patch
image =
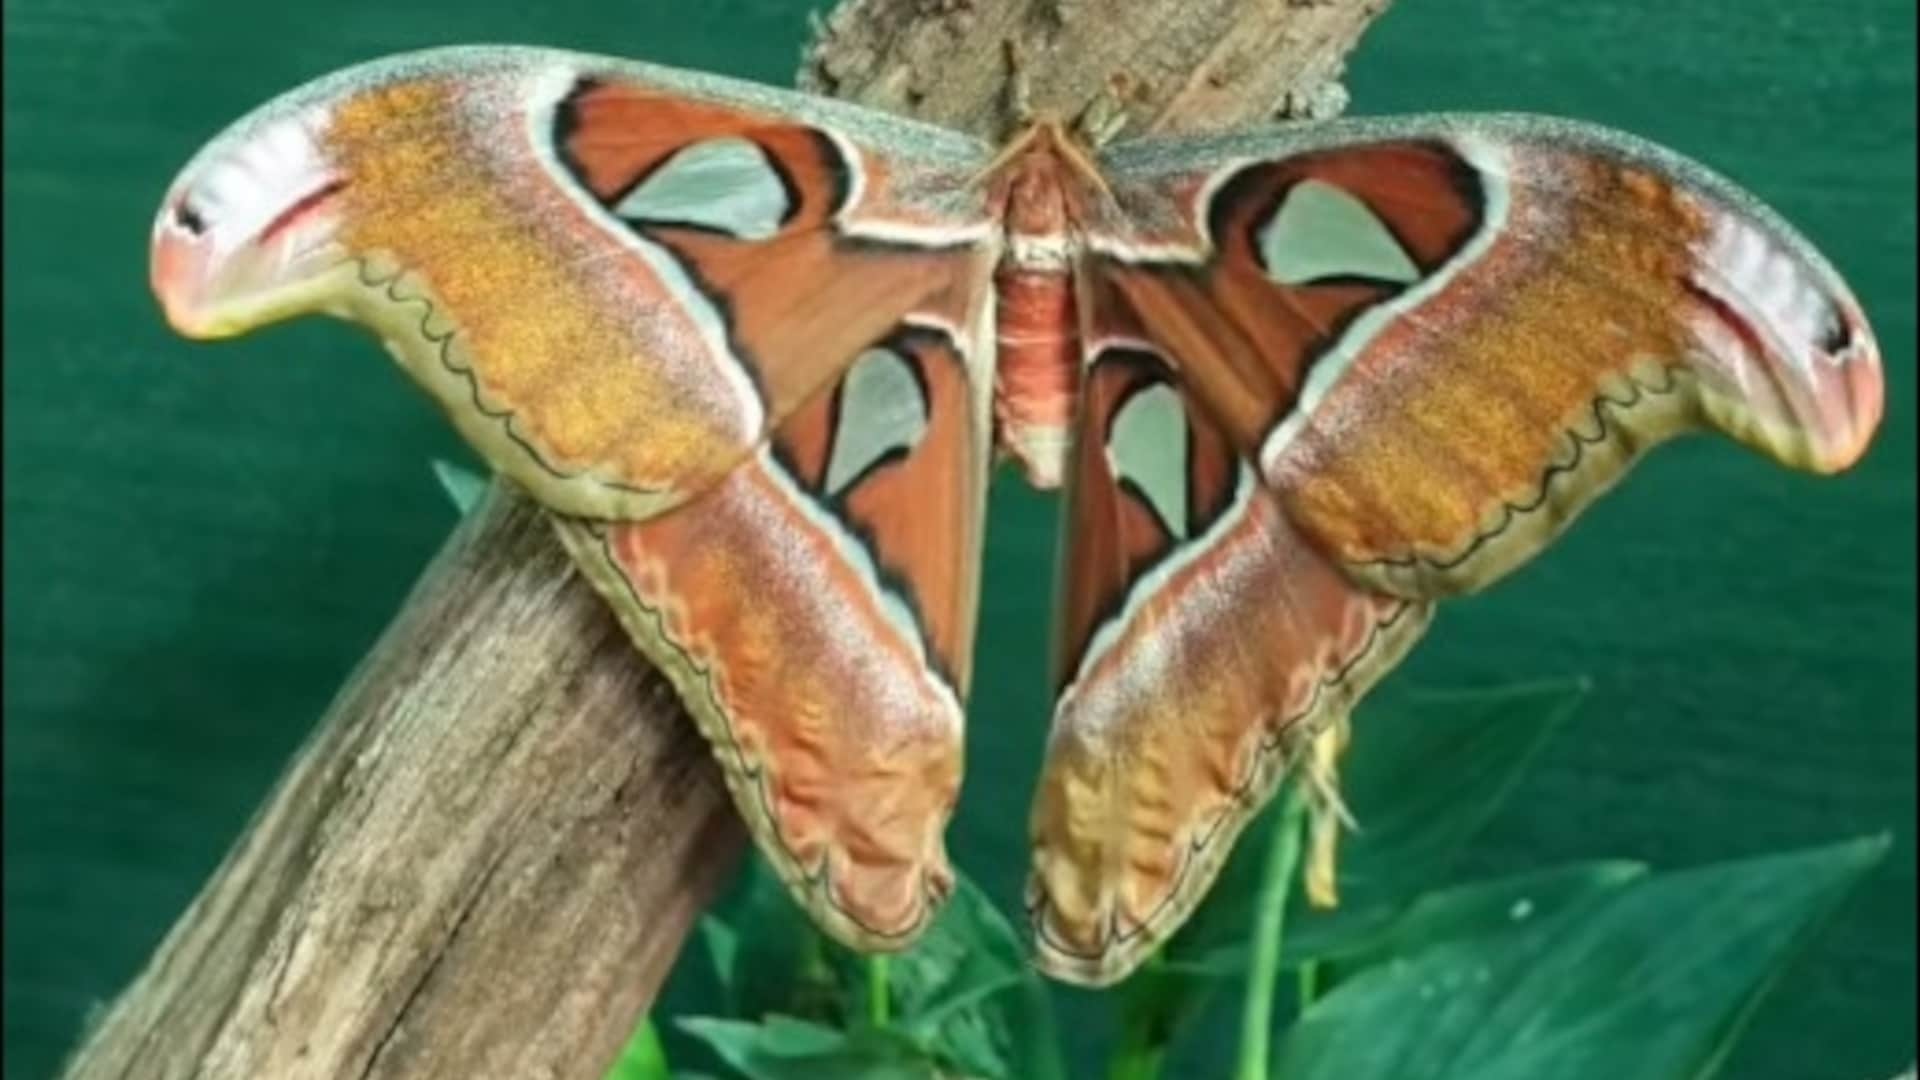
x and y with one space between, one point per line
1321 233
727 185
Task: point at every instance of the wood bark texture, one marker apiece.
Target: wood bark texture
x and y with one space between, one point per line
1169 65
484 860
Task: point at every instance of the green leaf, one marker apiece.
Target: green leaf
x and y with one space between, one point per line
461 485
1467 911
966 992
643 1058
1445 914
1427 778
975 1043
1650 979
1421 779
968 953
722 946
955 994
1483 908
1156 1004
787 1048
1037 1053
768 955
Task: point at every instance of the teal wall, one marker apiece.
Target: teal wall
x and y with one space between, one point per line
200 541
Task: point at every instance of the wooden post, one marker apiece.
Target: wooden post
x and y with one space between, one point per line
484 860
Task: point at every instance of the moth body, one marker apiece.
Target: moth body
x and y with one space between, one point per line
1039 194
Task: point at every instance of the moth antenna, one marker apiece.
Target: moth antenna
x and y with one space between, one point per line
1075 151
1015 146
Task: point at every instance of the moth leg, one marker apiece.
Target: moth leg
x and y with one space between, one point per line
1323 101
1106 115
1327 812
1020 108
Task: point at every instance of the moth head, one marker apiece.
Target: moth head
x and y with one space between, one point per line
1788 365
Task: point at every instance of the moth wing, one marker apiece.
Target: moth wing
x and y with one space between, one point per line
1441 338
617 279
815 609
1333 374
1201 640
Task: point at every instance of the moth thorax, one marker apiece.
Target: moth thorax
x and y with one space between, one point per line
1038 371
1040 205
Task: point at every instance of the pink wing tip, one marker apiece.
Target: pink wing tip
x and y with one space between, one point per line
1788 353
1844 392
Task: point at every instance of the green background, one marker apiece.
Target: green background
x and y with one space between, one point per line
200 541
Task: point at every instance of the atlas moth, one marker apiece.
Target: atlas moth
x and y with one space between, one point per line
756 352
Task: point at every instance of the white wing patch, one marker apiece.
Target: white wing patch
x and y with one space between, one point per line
726 185
1320 231
883 408
1772 290
1147 447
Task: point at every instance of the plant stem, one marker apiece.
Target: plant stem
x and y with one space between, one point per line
877 997
1276 886
1309 987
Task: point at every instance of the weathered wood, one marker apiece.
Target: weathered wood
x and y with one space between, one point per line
485 859
1170 65
481 864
